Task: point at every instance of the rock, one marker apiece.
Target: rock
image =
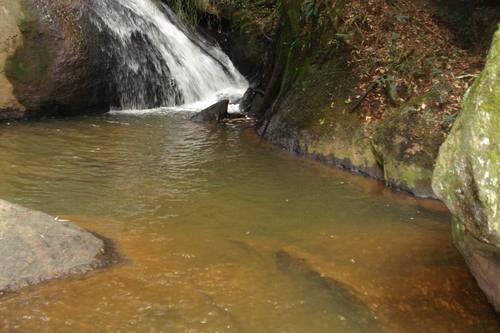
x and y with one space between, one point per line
246 100
36 247
49 60
10 40
305 109
466 177
214 113
236 116
344 145
407 144
356 308
250 103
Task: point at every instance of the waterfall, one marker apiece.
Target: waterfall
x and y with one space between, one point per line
156 61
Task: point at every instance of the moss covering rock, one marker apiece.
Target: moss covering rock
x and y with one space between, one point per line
406 143
359 84
467 174
307 106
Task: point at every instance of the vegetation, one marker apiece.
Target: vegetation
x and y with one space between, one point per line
390 73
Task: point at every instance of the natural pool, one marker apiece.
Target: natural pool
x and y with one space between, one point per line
221 233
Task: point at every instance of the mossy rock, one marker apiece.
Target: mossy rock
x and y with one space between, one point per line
407 142
305 99
306 111
467 173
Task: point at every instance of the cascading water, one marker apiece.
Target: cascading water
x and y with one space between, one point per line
156 61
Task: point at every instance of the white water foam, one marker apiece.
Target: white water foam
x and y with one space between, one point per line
161 62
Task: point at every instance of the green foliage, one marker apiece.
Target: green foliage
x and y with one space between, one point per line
318 14
206 12
187 10
311 11
194 12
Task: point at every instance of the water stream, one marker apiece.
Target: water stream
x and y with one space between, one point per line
156 60
221 233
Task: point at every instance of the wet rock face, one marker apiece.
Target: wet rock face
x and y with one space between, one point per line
306 108
36 247
466 177
214 113
49 62
10 41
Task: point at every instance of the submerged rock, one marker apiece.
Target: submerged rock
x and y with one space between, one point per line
467 174
36 247
356 306
214 113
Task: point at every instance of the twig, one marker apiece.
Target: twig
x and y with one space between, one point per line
360 100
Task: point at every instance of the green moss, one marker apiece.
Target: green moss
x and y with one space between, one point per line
305 106
29 64
410 177
407 141
413 132
306 100
466 177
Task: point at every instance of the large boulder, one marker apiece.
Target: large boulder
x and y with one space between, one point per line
467 174
46 62
36 247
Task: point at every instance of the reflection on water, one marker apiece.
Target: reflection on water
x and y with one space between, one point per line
220 233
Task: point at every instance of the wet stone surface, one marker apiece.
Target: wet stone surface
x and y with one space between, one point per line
36 247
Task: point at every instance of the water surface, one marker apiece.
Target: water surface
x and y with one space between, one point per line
221 233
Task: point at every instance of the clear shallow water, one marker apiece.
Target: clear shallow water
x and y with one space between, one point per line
220 233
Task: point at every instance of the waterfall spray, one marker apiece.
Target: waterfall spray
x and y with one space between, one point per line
156 61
